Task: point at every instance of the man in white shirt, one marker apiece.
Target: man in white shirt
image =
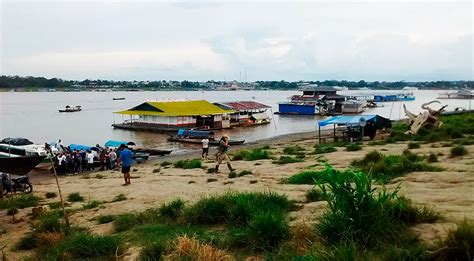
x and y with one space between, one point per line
205 148
90 160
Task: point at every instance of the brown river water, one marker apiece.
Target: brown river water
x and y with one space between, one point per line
34 115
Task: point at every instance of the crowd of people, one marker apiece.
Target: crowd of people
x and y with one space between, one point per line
69 161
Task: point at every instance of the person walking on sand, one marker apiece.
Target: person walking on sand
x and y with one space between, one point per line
126 159
222 153
205 148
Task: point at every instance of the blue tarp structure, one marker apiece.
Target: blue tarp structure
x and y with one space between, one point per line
117 143
195 133
347 120
79 147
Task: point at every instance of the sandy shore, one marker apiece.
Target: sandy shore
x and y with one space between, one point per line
447 191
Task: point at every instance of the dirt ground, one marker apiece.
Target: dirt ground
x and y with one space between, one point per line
449 192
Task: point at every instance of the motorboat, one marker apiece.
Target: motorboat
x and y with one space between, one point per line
71 109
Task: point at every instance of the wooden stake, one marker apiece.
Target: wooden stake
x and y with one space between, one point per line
66 219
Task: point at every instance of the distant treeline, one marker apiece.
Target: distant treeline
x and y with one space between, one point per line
53 83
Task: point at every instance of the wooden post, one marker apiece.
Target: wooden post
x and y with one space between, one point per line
319 133
66 219
334 138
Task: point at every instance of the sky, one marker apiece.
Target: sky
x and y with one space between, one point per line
238 40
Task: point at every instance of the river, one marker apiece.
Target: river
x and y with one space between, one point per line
34 115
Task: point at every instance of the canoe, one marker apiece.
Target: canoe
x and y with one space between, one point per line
231 142
152 152
118 98
71 109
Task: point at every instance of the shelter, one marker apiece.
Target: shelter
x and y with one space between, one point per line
172 115
117 143
246 112
353 127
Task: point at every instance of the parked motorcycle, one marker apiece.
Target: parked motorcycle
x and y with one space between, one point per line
12 185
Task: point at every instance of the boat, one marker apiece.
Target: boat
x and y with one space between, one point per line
352 106
19 165
71 109
191 136
460 94
118 98
410 88
231 142
138 151
313 101
21 147
391 97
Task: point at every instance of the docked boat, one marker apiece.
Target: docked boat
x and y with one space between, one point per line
460 94
118 98
191 136
136 149
21 147
231 142
391 97
313 101
71 109
18 165
352 106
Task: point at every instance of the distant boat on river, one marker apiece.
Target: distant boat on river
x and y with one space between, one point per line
118 98
71 109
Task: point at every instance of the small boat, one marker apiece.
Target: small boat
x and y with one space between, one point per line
138 151
118 98
71 109
191 136
231 142
19 165
21 147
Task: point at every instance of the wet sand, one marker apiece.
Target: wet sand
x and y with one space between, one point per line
446 191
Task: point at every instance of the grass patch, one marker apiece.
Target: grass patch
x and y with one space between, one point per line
405 211
232 175
432 158
413 145
244 173
92 204
104 219
188 164
322 149
314 195
252 155
458 150
27 242
294 150
119 197
353 147
50 194
75 197
286 160
22 201
458 245
12 211
152 251
384 167
172 209
165 163
309 176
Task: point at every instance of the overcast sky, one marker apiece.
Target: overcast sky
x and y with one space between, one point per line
222 40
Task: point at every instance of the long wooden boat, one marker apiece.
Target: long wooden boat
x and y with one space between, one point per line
231 142
152 152
118 98
71 109
20 165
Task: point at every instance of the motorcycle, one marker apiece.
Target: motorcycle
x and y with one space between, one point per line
12 185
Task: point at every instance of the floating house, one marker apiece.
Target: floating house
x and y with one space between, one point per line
320 100
169 116
247 113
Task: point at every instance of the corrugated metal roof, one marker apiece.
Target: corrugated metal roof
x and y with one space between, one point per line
244 105
176 108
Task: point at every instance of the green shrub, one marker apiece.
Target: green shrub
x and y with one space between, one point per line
27 242
267 230
211 170
81 245
125 222
119 197
322 149
75 197
265 147
314 195
252 155
165 163
12 211
432 157
458 150
22 201
353 147
413 145
406 212
232 175
50 194
105 219
92 204
152 252
458 245
286 160
49 222
387 167
55 205
172 209
309 176
357 213
244 172
293 150
188 164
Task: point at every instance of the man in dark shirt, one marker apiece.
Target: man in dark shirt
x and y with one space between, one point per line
126 159
222 153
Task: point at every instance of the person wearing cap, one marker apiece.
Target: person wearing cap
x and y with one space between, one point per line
126 159
222 153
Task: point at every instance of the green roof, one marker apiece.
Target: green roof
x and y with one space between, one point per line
176 108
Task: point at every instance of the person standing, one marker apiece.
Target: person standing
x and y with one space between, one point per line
222 153
205 148
102 159
112 158
90 160
126 159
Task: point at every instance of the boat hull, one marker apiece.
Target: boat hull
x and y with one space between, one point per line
19 165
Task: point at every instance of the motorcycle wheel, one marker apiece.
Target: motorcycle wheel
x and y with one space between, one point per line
27 188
